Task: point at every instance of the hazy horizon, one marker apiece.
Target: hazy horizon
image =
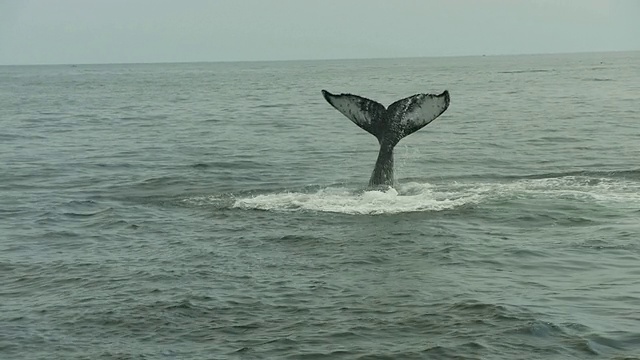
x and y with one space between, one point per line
332 59
39 32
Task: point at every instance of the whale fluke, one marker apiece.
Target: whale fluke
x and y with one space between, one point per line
389 125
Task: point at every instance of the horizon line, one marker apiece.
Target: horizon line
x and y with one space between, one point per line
320 59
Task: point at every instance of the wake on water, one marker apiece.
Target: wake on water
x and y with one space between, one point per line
427 197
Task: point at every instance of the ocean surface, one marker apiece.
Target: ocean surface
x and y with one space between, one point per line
221 211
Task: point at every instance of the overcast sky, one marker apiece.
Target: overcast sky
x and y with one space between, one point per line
117 31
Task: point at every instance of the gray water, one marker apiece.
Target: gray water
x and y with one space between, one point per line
220 211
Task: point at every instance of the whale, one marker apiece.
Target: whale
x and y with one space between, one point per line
389 125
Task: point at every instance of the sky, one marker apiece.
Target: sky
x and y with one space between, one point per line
142 31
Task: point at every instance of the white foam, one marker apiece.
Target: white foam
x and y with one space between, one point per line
417 197
601 190
411 198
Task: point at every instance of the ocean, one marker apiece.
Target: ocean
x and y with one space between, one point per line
221 211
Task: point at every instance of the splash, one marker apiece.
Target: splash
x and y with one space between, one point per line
424 197
621 193
409 198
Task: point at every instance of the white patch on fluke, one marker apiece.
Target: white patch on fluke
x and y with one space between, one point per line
419 110
361 111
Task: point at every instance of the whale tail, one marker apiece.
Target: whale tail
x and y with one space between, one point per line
389 125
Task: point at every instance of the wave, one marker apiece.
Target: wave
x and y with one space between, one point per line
598 79
524 71
597 174
13 136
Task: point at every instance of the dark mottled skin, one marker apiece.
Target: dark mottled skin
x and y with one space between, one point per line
385 124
